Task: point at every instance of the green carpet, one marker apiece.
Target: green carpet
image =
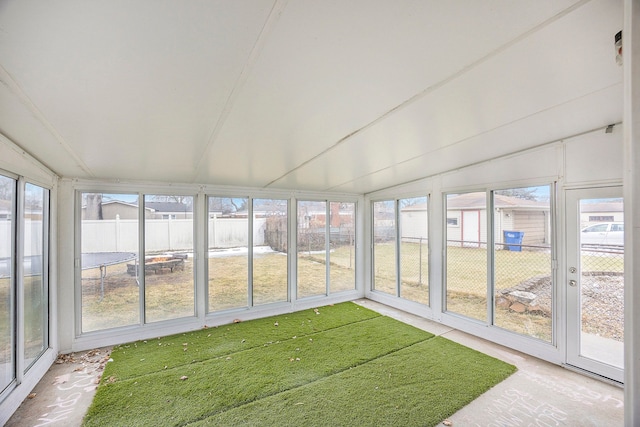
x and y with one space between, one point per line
339 365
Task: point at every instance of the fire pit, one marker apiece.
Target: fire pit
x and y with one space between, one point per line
159 264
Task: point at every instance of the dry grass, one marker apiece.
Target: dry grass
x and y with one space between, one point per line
34 318
171 295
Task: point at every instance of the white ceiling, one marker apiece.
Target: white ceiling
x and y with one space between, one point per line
331 95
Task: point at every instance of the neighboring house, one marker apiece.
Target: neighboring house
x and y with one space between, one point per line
599 212
113 209
314 214
467 219
169 210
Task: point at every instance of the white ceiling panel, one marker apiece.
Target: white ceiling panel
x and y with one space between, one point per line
330 68
543 127
133 87
534 76
302 94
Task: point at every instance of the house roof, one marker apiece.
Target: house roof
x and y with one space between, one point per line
479 201
169 207
602 207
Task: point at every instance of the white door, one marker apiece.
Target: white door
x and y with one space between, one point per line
471 228
595 283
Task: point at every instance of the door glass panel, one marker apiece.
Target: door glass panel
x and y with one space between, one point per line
414 250
228 266
384 247
109 261
312 251
466 254
270 259
36 312
601 280
168 261
7 282
342 243
522 261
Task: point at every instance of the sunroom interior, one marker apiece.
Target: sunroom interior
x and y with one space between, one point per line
169 165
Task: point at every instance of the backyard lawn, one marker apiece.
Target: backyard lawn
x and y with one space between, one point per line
172 294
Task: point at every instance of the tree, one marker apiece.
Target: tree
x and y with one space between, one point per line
227 205
93 209
520 193
183 200
7 188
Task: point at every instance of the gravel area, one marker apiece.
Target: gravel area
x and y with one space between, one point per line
603 305
602 301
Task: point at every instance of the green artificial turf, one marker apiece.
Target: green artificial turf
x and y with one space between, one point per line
345 366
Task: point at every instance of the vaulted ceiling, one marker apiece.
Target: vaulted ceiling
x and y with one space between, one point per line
330 95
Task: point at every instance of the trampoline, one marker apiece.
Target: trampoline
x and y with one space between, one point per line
102 260
32 266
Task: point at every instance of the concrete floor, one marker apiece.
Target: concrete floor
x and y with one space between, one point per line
539 394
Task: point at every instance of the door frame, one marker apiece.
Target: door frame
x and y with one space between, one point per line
572 312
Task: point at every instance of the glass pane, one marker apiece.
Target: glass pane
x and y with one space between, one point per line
467 254
602 280
7 287
36 312
522 260
384 247
414 250
270 266
342 242
168 261
312 251
228 252
109 263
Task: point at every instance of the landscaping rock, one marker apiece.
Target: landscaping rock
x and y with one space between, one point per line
518 307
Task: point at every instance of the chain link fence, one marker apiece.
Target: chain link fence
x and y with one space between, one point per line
602 291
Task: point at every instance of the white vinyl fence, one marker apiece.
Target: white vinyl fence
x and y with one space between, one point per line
32 238
121 235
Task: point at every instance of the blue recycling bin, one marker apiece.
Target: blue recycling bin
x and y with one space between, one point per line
513 240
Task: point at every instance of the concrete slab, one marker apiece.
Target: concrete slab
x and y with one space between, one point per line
64 394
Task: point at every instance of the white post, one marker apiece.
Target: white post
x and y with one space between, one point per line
631 128
117 232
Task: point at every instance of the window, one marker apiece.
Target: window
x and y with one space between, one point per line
169 283
312 249
26 271
228 255
114 278
109 262
35 272
326 247
270 251
414 249
522 276
7 283
400 249
452 222
466 255
384 247
342 246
